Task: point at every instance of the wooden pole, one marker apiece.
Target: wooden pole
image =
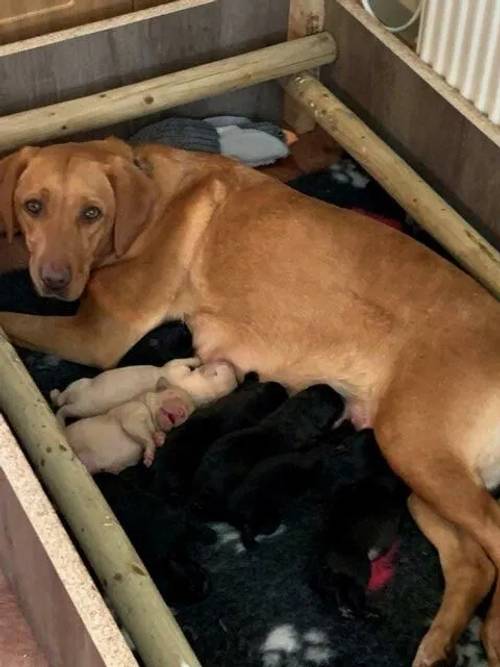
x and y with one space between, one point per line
124 578
163 92
429 209
305 17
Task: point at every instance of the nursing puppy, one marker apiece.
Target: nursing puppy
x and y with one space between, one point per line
259 503
176 464
296 424
120 437
365 502
88 397
163 537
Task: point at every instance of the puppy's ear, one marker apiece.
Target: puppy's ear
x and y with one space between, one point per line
135 195
11 168
162 384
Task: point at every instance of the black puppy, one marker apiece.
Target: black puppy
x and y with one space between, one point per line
364 502
258 504
176 462
163 538
296 424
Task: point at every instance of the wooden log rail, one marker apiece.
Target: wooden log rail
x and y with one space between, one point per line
430 210
135 598
164 92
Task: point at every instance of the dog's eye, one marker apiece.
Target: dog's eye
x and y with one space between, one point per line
33 206
91 213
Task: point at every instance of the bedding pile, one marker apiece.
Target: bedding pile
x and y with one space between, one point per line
261 611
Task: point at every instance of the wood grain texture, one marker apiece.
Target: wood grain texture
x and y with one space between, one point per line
306 17
159 9
144 4
18 646
165 44
164 92
55 591
448 142
20 19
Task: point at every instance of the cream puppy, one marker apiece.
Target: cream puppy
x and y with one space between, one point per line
119 438
88 397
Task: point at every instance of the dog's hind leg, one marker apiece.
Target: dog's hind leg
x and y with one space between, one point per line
459 498
491 629
434 443
468 574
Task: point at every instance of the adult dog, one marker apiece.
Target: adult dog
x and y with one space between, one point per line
298 290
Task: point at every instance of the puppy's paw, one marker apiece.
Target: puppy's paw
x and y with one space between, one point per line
341 591
61 417
149 456
349 596
193 362
54 395
159 438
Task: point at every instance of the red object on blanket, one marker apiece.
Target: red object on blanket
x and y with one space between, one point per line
387 221
383 568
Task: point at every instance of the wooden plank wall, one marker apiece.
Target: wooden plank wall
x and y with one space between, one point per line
165 44
455 157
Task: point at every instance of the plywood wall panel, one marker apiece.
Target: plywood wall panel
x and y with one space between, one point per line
131 53
20 19
459 160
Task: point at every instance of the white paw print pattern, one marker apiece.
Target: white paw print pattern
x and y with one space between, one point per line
226 534
346 171
470 651
285 647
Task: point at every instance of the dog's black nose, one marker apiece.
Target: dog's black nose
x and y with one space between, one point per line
55 277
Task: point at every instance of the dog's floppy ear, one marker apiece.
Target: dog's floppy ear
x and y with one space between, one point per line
162 384
134 198
11 168
116 146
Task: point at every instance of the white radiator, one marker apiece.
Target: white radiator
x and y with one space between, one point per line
460 40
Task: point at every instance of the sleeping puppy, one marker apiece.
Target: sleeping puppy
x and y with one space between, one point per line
297 423
176 464
258 504
163 537
120 437
89 397
365 502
